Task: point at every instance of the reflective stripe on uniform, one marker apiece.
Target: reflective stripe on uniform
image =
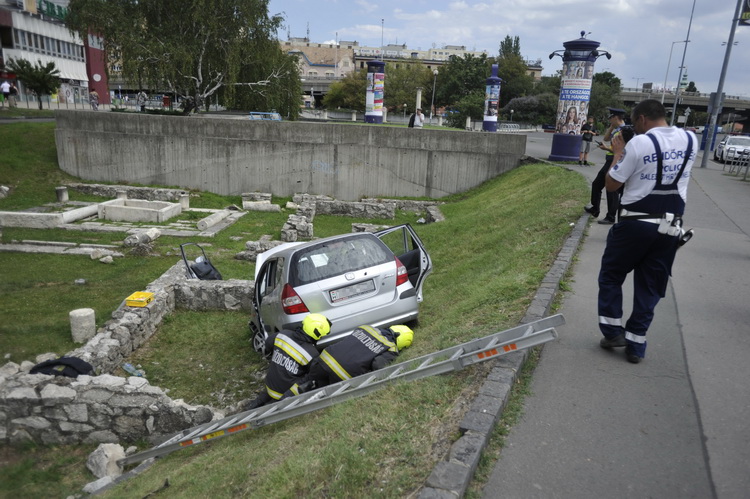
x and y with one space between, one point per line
273 394
292 349
334 365
610 321
635 338
294 389
382 339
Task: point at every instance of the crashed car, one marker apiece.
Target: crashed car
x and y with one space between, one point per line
352 279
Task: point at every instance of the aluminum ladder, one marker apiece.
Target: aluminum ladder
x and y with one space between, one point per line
444 361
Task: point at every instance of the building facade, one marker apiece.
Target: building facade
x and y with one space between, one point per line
34 30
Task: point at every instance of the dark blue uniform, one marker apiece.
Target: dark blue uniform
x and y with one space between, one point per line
635 243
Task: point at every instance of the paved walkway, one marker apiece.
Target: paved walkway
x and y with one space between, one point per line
678 424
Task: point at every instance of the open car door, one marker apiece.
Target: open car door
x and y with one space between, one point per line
406 245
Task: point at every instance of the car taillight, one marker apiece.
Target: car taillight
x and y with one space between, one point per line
291 302
401 275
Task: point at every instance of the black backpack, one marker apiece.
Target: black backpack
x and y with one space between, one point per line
64 366
411 121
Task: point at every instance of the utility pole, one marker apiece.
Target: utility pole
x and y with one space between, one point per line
720 89
682 66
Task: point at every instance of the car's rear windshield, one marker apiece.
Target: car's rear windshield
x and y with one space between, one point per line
332 258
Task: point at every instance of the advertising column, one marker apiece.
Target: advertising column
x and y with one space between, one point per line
491 101
375 92
575 92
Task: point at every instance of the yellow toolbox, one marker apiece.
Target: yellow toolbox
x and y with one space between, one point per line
139 299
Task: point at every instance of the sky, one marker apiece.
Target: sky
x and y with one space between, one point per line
638 33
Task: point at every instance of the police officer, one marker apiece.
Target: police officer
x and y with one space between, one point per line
616 121
654 169
293 351
366 349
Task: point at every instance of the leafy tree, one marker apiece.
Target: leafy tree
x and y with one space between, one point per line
471 105
513 70
190 47
510 47
462 76
348 93
548 85
691 87
605 92
401 82
41 79
608 79
534 109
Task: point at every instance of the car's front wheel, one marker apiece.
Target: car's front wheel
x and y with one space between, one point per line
260 343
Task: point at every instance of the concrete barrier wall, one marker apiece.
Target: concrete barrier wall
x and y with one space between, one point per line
230 156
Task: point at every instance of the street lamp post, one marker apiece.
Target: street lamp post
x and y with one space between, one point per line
682 66
669 62
404 110
511 115
434 83
638 80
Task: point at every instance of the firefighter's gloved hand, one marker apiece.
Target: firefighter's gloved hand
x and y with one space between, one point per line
307 386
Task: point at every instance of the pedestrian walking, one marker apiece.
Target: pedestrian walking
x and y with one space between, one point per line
94 100
654 170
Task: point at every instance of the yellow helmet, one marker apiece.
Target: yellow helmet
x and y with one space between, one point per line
404 336
316 326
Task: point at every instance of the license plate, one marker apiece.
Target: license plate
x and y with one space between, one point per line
345 293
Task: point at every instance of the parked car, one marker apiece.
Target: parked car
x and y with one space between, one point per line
732 147
353 279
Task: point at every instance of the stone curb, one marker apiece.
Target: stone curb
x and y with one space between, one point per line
451 476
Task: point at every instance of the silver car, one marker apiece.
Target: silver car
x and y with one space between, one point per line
732 148
353 279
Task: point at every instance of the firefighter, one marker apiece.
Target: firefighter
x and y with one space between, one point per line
366 349
293 351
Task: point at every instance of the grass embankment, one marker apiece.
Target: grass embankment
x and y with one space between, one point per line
490 254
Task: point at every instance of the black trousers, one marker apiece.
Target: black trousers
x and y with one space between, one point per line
597 186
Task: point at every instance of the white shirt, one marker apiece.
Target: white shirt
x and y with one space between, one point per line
418 120
637 167
5 87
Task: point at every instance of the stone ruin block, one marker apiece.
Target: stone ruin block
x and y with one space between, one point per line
296 227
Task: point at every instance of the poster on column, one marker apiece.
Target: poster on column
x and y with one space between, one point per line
491 98
575 93
375 87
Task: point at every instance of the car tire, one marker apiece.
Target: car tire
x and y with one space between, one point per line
259 344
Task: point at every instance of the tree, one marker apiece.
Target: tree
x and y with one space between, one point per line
469 106
605 92
548 85
41 79
534 109
691 87
510 47
462 76
401 82
349 92
190 47
513 71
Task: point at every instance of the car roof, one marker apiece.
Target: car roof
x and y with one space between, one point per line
288 248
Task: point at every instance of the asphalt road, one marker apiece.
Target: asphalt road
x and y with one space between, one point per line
678 424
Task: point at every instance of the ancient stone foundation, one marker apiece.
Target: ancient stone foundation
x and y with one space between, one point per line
105 408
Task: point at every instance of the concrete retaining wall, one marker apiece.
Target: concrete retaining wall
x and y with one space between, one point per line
230 157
